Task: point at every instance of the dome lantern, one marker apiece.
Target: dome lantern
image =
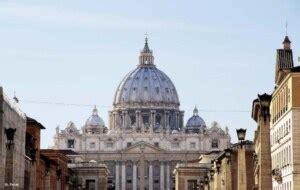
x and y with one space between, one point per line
146 56
195 111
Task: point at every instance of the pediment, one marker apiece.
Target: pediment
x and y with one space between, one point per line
142 146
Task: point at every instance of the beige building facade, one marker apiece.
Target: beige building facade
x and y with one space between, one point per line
231 169
262 156
285 121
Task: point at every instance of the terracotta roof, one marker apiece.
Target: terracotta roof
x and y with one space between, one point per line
62 151
295 69
31 120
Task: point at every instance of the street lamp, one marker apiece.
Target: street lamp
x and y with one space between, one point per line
212 173
218 165
201 185
228 155
206 180
241 134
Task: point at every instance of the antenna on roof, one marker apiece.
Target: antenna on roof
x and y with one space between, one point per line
286 28
15 97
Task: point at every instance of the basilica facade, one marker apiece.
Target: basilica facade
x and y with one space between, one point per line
146 135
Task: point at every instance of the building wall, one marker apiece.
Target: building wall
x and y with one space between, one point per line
285 133
12 117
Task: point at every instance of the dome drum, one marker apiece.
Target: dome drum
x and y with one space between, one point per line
154 120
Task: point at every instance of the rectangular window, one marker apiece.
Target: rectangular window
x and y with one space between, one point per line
192 145
71 143
92 145
175 145
129 144
109 145
156 144
215 143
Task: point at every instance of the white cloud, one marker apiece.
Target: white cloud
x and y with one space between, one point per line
58 15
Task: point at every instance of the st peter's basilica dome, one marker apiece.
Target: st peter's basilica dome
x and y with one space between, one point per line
146 86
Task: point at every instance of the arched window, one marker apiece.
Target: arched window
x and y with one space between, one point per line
215 143
145 119
156 170
158 119
129 170
132 119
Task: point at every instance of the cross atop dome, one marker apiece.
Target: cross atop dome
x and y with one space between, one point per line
146 57
195 111
146 46
95 111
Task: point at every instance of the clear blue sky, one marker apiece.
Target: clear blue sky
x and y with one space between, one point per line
219 54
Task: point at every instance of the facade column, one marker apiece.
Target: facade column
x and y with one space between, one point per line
152 121
126 123
242 182
134 176
166 119
162 176
123 176
123 120
47 181
265 179
58 184
142 172
114 120
150 176
168 176
137 118
117 180
177 120
181 119
33 175
228 174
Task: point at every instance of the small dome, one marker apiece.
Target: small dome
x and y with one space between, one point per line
94 120
195 121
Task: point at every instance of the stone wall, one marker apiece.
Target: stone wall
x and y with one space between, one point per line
12 117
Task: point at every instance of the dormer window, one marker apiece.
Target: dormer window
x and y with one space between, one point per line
71 143
215 143
92 145
193 145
